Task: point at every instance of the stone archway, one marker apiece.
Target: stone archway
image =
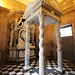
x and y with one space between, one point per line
11 14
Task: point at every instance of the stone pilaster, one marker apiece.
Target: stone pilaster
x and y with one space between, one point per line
41 46
59 51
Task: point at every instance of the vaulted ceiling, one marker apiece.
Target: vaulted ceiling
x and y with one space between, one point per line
27 1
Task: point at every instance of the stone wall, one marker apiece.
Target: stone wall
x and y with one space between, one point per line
3 34
50 40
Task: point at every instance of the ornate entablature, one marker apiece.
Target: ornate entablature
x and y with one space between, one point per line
50 8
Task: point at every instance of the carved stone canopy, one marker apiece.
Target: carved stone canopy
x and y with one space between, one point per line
49 8
42 13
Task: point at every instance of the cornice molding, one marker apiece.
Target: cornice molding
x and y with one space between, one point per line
4 9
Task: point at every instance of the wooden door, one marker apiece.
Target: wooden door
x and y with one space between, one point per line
67 42
67 48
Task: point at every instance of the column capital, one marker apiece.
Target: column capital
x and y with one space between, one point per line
58 24
59 21
27 23
41 15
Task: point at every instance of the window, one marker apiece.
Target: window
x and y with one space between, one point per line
66 31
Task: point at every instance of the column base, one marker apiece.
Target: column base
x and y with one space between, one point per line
26 67
61 71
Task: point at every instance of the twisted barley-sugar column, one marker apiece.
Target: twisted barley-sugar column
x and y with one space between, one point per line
59 51
41 45
27 49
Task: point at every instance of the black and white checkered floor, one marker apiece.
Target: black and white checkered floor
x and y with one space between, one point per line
17 69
